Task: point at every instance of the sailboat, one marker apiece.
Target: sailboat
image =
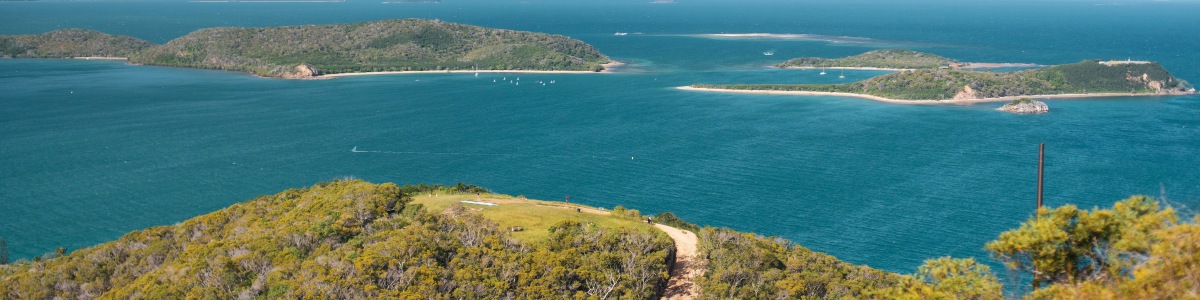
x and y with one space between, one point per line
769 53
843 75
822 71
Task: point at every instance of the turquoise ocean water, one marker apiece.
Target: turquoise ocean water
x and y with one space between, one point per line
90 150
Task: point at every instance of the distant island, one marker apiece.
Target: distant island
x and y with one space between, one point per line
931 79
313 51
66 43
891 59
888 59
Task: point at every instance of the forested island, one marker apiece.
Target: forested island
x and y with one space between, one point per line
950 85
313 50
349 239
66 43
896 59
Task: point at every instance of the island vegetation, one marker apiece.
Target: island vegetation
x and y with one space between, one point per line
879 59
1082 78
313 50
391 45
68 43
349 239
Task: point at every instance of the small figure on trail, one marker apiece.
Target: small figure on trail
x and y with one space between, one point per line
649 221
567 199
578 210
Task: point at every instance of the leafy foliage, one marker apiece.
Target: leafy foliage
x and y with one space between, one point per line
946 278
747 266
67 43
390 45
1070 245
348 240
944 84
462 188
670 219
3 252
886 58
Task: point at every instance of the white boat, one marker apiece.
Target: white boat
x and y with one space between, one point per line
769 53
822 71
843 75
621 33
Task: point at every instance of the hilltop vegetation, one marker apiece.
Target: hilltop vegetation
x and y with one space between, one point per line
747 266
945 84
885 59
391 45
357 240
70 43
350 240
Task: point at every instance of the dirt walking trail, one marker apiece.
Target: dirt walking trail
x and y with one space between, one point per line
688 265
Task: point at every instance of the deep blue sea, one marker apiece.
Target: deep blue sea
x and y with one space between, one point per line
90 150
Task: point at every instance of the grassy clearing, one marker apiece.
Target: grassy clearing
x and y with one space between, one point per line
534 216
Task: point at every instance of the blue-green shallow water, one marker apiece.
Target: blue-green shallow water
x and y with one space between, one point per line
93 149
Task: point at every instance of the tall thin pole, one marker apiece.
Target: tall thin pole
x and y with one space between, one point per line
1041 161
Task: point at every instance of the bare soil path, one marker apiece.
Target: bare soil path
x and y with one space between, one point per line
688 265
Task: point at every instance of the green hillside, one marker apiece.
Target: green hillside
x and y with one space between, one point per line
945 84
390 45
886 59
353 240
68 43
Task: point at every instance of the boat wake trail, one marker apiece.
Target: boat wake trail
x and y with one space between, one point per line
356 150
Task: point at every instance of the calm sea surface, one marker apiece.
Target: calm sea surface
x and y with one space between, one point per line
90 150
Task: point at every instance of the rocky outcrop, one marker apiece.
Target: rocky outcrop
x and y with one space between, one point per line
966 93
1025 106
302 72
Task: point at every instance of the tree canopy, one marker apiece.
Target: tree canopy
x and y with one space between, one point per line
885 58
349 240
389 45
65 43
944 84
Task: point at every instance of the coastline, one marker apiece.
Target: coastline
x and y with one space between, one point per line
848 68
925 102
100 58
963 66
607 69
985 65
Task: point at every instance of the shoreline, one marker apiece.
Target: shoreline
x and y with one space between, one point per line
100 58
847 68
964 66
924 102
607 69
